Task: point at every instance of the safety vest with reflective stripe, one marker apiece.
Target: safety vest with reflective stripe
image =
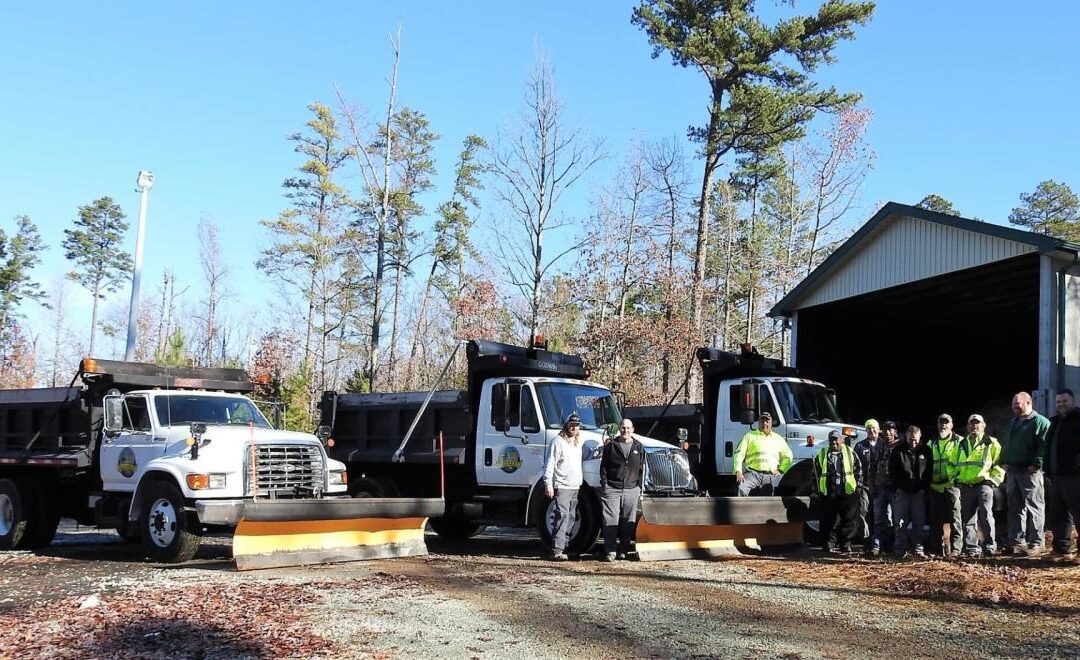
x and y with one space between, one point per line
979 460
945 458
849 469
764 453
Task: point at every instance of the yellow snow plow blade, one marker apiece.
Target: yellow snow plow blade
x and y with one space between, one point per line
700 527
297 532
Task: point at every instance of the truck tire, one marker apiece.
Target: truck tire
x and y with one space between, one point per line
372 487
453 528
16 512
45 516
586 529
167 530
799 481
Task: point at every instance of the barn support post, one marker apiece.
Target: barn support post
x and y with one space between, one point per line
1043 396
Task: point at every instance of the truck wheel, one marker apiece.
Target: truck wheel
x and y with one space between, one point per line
15 514
583 533
167 531
372 487
46 516
455 529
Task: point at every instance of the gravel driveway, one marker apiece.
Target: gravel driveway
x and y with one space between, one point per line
91 595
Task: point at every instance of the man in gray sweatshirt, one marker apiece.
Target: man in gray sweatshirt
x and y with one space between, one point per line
562 481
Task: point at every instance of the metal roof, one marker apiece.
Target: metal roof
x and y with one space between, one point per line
901 244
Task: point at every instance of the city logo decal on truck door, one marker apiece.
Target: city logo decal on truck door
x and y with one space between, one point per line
509 459
126 463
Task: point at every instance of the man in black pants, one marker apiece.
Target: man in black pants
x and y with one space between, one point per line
621 469
839 473
1062 466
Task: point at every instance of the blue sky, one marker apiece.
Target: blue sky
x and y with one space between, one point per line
977 101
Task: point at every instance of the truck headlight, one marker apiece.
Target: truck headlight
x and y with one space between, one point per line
205 481
338 478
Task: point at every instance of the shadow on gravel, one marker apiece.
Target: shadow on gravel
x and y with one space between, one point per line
169 638
936 598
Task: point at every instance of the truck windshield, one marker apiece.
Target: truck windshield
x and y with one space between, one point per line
594 405
179 410
804 402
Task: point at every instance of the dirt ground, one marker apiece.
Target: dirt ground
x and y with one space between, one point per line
91 595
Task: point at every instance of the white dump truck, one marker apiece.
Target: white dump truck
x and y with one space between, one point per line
165 455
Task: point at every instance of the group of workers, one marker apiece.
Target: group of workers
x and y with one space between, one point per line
886 486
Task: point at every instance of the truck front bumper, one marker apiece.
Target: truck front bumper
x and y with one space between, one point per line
231 512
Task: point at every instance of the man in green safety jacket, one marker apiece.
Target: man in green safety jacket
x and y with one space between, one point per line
760 459
838 473
944 493
978 473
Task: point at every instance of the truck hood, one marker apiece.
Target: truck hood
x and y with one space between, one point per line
225 439
594 438
796 436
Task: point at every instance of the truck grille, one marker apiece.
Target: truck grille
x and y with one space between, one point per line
666 470
288 471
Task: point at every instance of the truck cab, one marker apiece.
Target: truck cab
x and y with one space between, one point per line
175 461
803 413
736 389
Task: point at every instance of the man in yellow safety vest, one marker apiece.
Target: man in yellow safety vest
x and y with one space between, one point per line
760 459
944 493
978 473
839 474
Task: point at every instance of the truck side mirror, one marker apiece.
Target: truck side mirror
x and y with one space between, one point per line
748 403
502 424
113 420
322 433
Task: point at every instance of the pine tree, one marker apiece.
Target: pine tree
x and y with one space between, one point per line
19 254
938 204
1053 209
94 246
310 236
754 94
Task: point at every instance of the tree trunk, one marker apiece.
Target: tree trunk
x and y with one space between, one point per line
93 318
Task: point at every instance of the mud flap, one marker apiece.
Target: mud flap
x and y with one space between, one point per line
701 527
279 533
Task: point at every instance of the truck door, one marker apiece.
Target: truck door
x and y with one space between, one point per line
729 425
512 441
124 457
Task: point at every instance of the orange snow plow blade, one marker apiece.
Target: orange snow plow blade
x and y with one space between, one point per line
700 527
299 532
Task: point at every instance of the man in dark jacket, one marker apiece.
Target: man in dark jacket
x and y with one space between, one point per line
911 468
864 451
1062 467
622 466
883 490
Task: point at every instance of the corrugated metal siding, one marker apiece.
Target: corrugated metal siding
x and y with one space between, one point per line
907 249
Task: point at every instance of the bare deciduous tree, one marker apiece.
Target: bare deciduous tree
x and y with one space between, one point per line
535 166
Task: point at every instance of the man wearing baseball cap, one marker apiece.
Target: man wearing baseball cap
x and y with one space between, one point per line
978 473
944 494
864 451
838 473
760 459
883 490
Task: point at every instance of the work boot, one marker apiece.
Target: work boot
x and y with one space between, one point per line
608 557
621 556
875 551
919 553
1033 551
560 556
